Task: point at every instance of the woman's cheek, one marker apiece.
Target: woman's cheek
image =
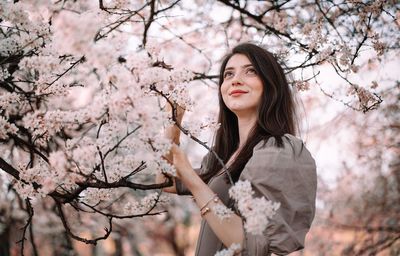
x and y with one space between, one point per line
225 99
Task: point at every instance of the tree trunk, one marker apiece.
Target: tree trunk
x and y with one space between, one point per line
5 241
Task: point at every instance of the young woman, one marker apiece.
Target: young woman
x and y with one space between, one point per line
256 142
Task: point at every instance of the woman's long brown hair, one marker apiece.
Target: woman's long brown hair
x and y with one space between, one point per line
276 113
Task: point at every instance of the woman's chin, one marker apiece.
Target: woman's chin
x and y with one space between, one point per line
240 111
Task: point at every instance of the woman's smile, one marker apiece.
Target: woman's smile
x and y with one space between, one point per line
237 93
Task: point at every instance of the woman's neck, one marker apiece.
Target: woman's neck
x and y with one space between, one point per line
245 124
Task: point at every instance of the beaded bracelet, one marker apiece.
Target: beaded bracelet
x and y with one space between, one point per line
204 209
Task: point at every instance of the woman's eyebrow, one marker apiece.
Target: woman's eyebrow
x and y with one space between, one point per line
244 66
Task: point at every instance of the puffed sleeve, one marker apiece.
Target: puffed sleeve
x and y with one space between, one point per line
180 188
286 175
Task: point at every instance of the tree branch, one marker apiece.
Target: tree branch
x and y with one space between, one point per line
78 238
30 212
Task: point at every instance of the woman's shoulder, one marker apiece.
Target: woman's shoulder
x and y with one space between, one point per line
287 139
292 147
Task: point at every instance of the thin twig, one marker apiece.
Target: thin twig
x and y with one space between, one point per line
147 213
78 238
30 212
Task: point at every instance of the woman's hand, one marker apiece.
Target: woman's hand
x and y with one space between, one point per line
173 133
184 169
180 111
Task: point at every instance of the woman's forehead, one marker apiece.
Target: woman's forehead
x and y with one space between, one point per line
238 61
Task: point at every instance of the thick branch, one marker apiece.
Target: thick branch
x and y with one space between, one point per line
123 183
9 169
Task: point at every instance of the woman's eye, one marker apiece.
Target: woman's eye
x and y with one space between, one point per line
251 71
228 74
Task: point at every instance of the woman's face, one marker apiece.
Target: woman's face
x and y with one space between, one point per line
242 88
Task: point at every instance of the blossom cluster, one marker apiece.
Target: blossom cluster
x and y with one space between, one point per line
230 251
221 211
89 102
146 204
256 211
6 128
25 31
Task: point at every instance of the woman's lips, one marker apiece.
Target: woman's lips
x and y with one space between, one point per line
237 93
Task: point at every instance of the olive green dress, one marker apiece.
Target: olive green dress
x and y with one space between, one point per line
286 175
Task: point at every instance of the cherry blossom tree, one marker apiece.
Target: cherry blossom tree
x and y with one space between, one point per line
363 205
84 85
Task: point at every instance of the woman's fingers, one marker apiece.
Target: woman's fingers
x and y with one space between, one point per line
173 132
170 155
180 160
180 111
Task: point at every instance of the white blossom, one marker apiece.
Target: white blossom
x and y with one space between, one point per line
364 95
234 249
221 211
25 190
379 47
146 204
69 34
6 128
302 85
58 161
256 211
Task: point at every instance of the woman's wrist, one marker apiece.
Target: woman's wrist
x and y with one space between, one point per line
192 181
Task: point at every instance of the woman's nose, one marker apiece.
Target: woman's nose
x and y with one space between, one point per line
237 79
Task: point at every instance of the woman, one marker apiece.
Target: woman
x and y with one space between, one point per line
256 143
